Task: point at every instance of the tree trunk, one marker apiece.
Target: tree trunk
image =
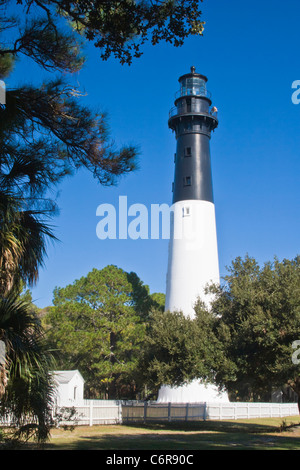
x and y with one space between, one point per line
3 369
3 379
112 385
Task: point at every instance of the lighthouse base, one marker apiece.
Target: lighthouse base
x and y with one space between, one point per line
195 392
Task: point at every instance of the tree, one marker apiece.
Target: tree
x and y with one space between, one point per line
158 300
27 397
45 136
23 240
120 27
179 349
96 325
258 311
48 121
141 299
168 354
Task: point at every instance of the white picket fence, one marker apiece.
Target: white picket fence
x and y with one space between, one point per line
250 410
95 412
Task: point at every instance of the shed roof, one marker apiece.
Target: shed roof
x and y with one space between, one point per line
64 376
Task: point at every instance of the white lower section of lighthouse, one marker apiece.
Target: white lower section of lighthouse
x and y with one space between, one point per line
193 264
193 254
195 392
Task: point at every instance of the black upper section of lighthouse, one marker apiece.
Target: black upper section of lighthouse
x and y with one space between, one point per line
193 119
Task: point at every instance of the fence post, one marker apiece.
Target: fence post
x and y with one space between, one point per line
205 411
169 411
145 411
91 412
187 412
120 418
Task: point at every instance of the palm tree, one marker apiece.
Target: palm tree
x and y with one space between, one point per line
28 395
23 239
25 383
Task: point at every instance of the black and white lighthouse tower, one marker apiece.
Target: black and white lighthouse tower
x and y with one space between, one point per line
193 251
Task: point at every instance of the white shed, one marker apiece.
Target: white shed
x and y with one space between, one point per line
70 384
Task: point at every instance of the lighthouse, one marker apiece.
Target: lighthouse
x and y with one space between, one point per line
193 250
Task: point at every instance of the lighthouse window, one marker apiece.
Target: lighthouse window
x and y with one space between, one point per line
186 211
187 181
188 152
193 86
188 105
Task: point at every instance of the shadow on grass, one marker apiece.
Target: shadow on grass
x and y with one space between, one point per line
185 436
218 426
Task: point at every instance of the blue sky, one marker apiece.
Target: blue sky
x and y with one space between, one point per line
250 54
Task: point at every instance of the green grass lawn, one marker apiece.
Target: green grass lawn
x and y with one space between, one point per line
255 434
